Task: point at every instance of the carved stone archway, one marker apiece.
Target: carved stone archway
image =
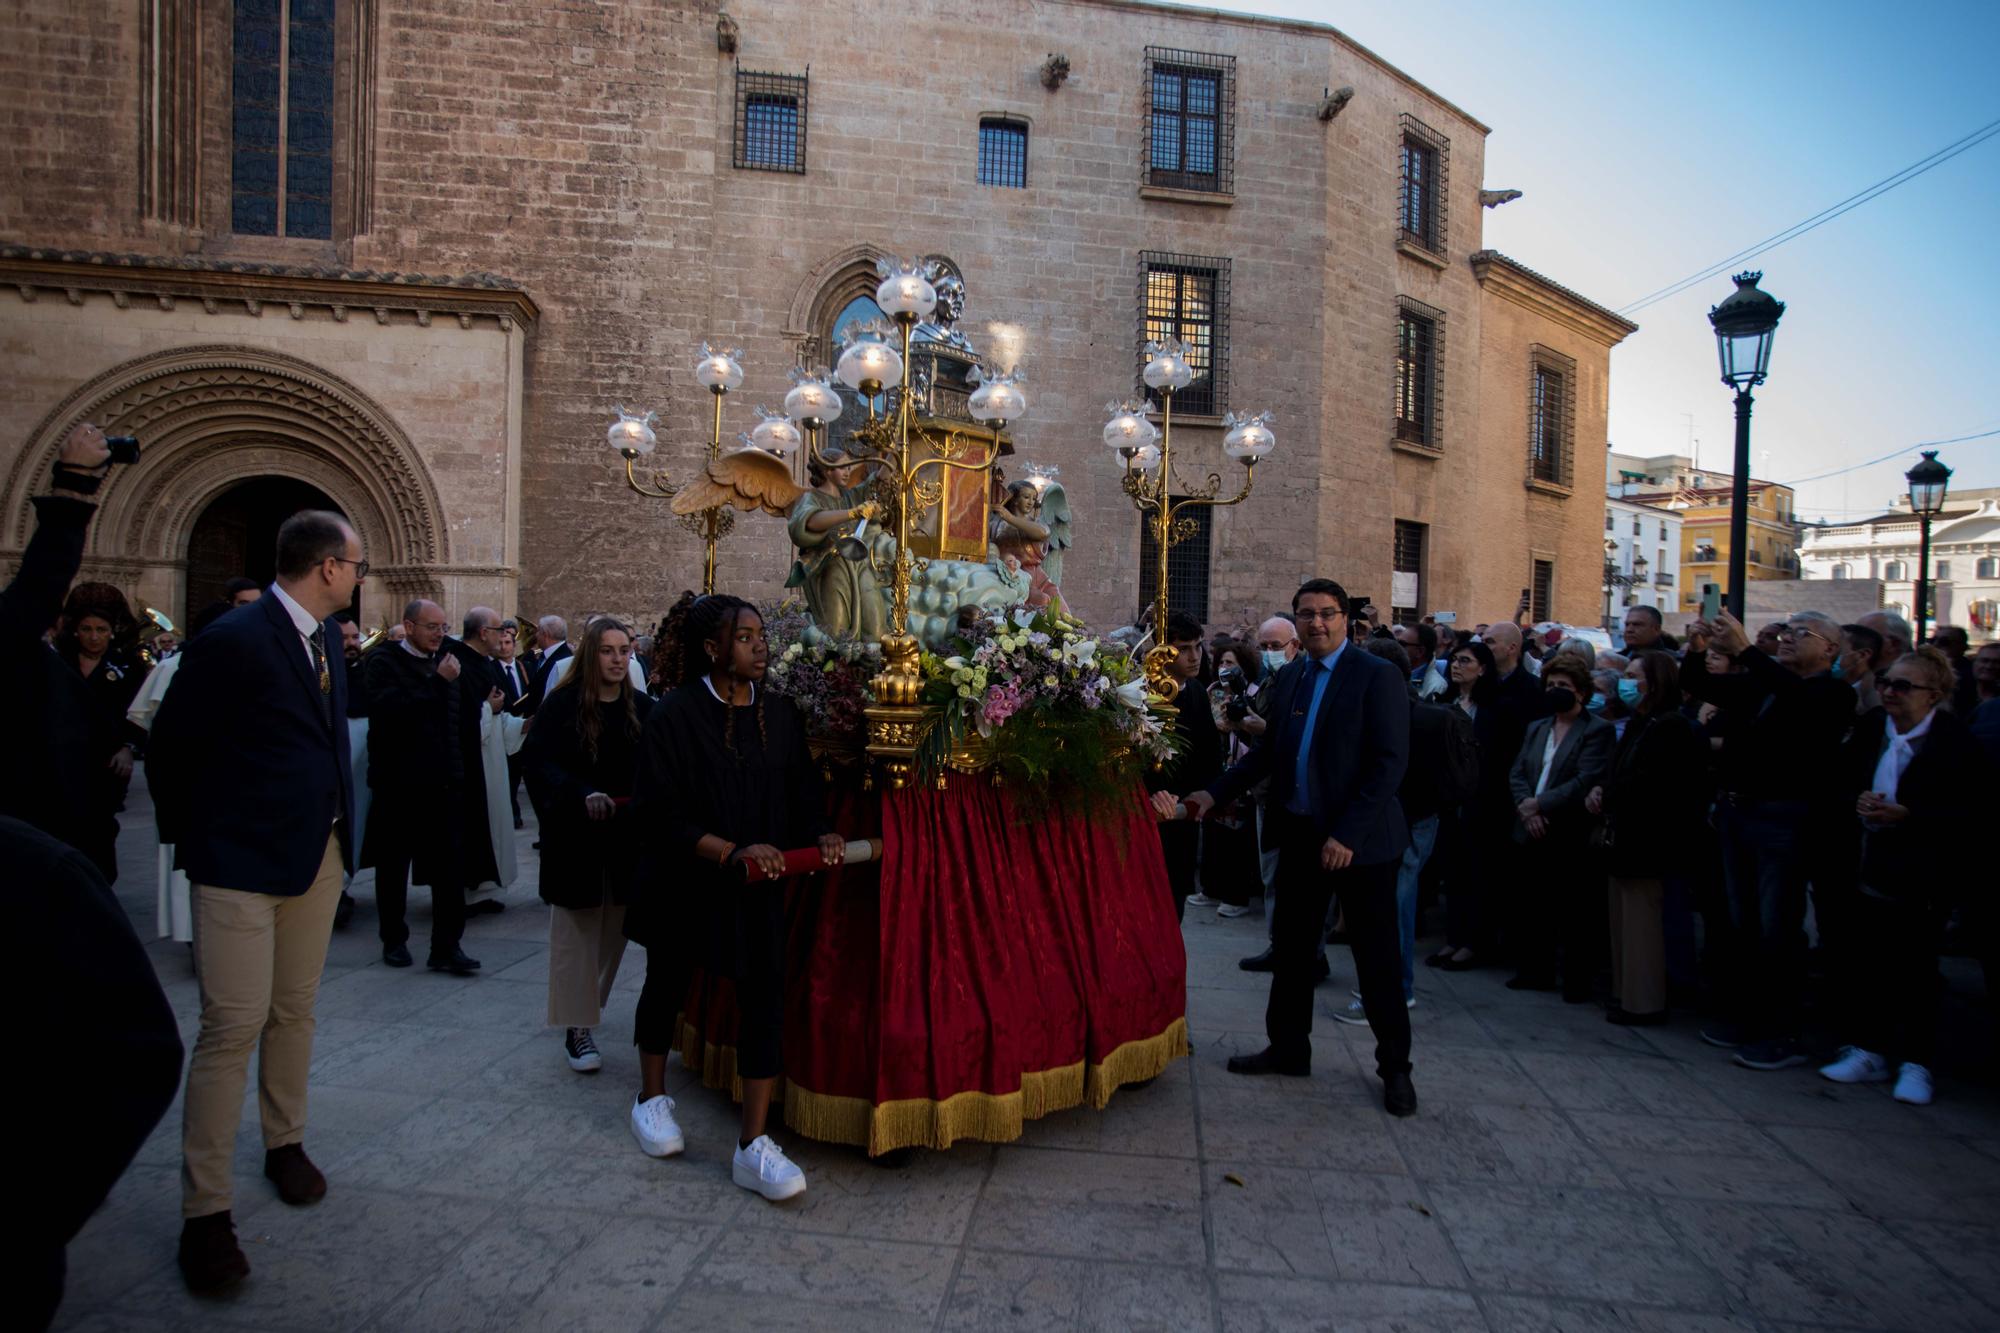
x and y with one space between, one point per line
825 291
208 417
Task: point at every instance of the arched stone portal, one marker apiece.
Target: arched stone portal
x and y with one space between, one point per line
212 418
236 535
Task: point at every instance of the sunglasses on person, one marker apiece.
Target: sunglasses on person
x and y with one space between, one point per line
1902 685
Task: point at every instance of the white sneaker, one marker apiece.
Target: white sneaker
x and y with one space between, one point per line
654 1126
763 1167
581 1051
1356 1014
1854 1065
1200 900
1232 910
1913 1085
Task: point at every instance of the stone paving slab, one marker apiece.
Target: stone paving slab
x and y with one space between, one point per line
1563 1174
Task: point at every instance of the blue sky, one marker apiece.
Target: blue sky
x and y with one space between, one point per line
1652 140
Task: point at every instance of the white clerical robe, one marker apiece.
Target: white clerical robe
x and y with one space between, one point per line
174 912
500 734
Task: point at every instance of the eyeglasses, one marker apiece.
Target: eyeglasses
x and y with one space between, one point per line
1307 617
1789 635
360 566
1897 685
435 627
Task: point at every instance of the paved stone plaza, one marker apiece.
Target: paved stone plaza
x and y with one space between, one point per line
1562 1174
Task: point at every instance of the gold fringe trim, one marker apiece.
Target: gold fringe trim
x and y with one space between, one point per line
919 1122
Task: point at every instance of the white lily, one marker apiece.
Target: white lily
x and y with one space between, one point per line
1133 693
1080 653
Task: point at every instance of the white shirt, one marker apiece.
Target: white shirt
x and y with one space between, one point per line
1548 761
302 621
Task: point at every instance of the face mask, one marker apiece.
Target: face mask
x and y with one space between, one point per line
1562 699
1840 668
1273 658
1596 704
1628 692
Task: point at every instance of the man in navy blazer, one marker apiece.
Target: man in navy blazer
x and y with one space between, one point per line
1335 749
249 768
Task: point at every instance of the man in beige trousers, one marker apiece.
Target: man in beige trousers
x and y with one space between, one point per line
248 764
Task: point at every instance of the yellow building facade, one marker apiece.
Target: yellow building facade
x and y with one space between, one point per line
1772 530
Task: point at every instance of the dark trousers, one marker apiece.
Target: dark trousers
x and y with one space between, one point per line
392 896
1891 983
1764 869
1180 845
514 784
1368 898
656 1024
1561 912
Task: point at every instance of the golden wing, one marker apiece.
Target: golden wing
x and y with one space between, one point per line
747 479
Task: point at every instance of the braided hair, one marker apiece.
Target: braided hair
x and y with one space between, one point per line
688 630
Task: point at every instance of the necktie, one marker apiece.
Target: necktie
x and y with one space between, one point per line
318 641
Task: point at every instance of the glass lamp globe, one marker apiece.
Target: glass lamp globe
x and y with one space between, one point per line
774 434
905 290
1146 457
813 399
632 434
1167 369
1128 429
717 370
1248 439
869 361
998 399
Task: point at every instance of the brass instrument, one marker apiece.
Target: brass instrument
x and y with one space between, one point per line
374 637
161 625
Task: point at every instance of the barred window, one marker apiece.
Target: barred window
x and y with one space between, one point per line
1541 590
1187 563
1419 361
1190 120
1003 152
770 121
1421 208
1551 416
1406 595
1187 297
281 118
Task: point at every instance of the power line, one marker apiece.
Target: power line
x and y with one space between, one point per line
1824 216
1894 453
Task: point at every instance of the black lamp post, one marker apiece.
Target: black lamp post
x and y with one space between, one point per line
1615 578
1744 323
1928 480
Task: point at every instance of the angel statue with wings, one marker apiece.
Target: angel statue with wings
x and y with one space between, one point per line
1029 532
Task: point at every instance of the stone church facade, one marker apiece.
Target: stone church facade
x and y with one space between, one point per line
406 257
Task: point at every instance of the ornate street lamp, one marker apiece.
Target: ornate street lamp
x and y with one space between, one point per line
1615 578
632 436
1928 481
1151 481
1743 323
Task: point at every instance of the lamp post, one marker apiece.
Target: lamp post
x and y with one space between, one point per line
1615 577
632 436
1743 324
1246 440
1928 480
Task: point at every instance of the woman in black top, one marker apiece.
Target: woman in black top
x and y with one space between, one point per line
580 760
98 638
1483 825
1653 798
725 777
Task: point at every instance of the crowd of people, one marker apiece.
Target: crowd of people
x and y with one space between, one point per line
1652 829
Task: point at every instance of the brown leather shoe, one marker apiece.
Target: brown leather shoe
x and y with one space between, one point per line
210 1258
297 1179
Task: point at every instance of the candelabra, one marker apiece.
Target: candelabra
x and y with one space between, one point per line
632 436
1152 483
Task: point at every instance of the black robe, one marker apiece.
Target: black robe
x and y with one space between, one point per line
424 766
749 789
584 861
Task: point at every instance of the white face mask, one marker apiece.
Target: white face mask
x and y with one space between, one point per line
1274 658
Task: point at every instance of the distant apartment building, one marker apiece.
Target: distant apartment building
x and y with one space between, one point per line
1701 498
1642 544
1965 558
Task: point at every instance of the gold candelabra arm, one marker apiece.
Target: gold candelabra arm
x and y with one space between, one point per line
1139 489
1204 490
1249 478
662 487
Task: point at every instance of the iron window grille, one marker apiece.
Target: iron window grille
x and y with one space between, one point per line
1190 120
1003 153
281 118
1419 373
1187 297
770 121
1541 591
1421 218
1551 416
1408 558
1187 563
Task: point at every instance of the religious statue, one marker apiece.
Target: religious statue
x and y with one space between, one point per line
827 524
1030 532
942 326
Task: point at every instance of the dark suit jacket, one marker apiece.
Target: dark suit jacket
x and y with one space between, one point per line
1360 746
1582 761
541 680
507 687
53 757
1928 857
245 773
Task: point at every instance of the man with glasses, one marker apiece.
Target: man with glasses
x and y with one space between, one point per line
1789 717
425 797
1335 755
